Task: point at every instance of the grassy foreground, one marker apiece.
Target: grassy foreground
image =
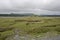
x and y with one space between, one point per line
33 26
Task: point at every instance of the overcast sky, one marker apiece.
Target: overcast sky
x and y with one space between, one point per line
35 6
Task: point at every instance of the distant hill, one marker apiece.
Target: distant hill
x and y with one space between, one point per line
12 14
49 15
28 14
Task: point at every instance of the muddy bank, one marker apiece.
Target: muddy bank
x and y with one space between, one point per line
48 36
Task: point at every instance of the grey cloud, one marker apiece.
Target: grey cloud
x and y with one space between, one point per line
38 6
53 6
30 4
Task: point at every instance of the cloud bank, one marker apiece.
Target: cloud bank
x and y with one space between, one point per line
37 6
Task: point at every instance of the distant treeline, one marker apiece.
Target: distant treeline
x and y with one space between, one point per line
50 15
16 14
21 15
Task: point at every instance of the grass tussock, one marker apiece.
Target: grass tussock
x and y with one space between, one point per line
28 25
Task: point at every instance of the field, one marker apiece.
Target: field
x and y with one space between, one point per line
33 26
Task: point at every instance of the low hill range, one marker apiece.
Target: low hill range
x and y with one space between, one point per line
28 14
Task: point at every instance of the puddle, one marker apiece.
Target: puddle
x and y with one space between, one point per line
16 36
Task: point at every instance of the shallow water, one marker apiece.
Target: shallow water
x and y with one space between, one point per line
16 36
28 37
